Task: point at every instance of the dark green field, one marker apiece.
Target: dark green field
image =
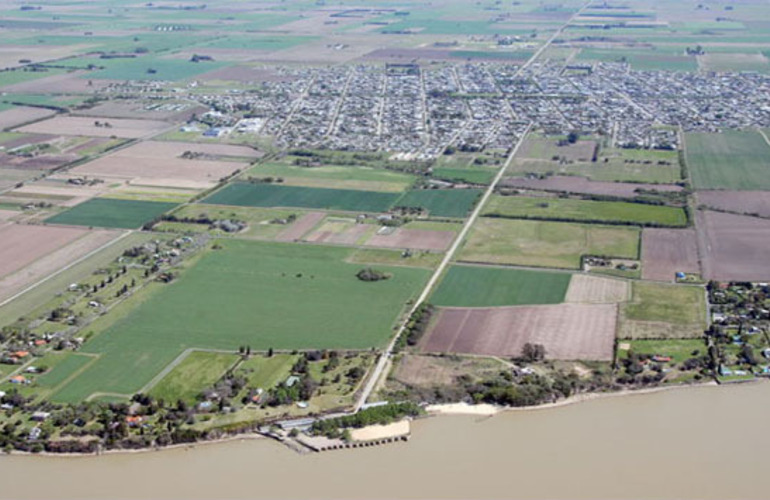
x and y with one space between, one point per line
270 195
730 160
472 175
108 212
441 202
473 286
263 295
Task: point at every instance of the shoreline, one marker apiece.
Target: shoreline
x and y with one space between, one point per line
433 411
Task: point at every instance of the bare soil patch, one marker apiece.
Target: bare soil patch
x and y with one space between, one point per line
49 264
7 214
742 202
42 162
582 185
59 84
22 114
431 371
301 226
416 239
349 236
161 164
23 244
668 251
734 247
86 126
139 110
585 289
568 331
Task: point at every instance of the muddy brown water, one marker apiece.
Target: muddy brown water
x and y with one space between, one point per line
708 442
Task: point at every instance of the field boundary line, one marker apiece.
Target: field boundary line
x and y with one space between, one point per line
383 361
77 373
65 268
165 371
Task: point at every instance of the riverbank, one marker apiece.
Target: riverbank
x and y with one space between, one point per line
488 410
654 446
460 408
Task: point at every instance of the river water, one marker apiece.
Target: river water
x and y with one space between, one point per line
708 442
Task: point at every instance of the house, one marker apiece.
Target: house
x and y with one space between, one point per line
134 420
291 381
20 354
40 416
661 359
18 379
2 394
34 434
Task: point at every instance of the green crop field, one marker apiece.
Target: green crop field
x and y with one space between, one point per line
263 295
197 372
730 160
114 213
472 175
441 202
335 176
475 286
546 244
69 364
270 195
150 68
521 207
678 350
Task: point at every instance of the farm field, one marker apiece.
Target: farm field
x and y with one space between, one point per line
663 311
52 258
266 372
545 243
581 185
476 286
23 244
433 239
567 331
734 247
111 213
269 195
431 371
164 164
261 223
587 289
740 202
341 231
454 203
584 210
730 160
335 176
198 371
18 115
473 176
86 126
264 295
666 252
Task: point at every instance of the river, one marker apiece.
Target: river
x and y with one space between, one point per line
707 442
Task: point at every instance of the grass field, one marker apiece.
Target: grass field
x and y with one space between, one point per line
263 295
677 350
266 373
258 220
730 160
114 213
197 372
441 202
585 210
472 175
270 195
334 176
667 303
473 286
546 244
151 68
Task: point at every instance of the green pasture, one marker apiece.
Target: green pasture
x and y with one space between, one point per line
264 295
476 286
441 202
569 209
198 371
545 243
271 195
728 160
335 176
114 213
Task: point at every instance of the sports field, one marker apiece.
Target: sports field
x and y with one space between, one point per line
108 212
441 202
545 243
263 295
270 195
521 207
730 160
475 286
